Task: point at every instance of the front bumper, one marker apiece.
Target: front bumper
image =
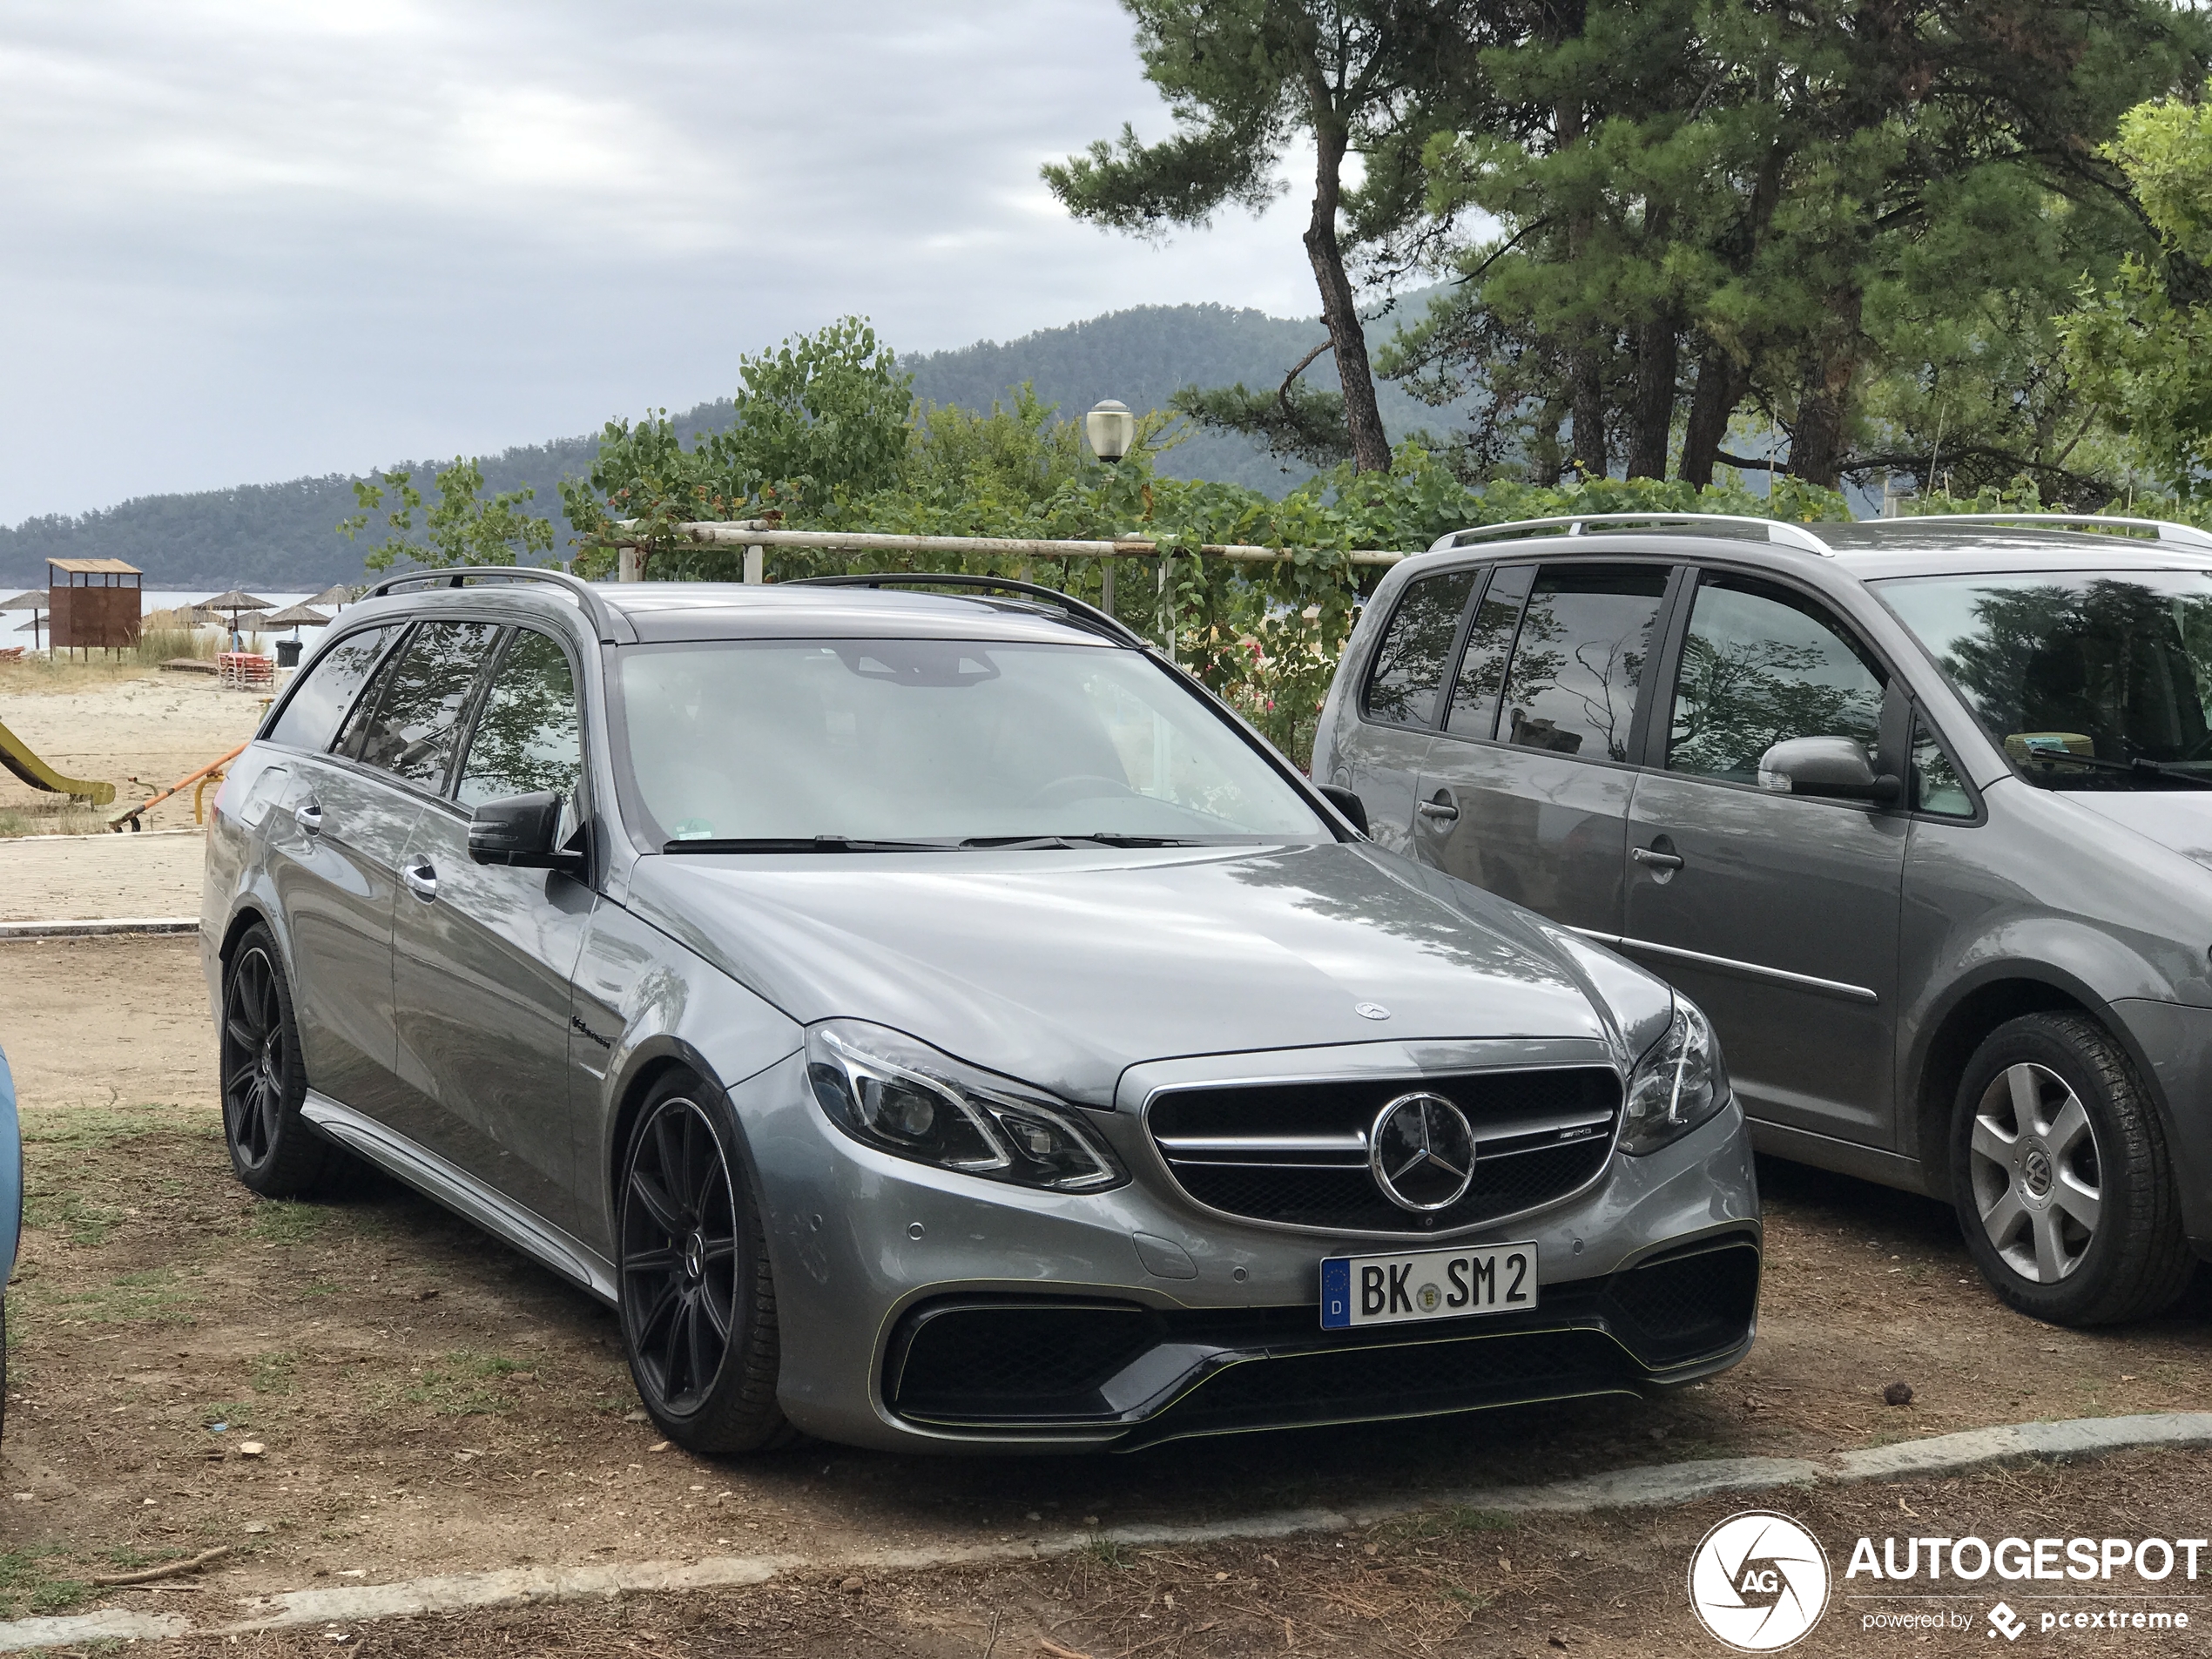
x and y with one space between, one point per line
921 1309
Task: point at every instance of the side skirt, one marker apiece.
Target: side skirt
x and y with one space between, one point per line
1845 1158
462 1193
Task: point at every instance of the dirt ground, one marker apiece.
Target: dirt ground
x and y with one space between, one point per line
119 723
428 1401
1457 1582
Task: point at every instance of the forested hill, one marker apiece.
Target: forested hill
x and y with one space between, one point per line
283 536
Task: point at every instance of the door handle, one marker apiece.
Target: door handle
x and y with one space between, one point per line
308 816
1440 811
1655 858
421 880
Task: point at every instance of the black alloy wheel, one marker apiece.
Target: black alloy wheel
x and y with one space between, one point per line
275 1151
698 1304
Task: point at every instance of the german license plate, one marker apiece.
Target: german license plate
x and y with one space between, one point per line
1425 1284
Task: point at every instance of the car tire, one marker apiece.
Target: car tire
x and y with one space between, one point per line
2060 1176
697 1298
274 1150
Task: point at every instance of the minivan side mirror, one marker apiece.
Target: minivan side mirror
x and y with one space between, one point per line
522 831
1347 803
1827 768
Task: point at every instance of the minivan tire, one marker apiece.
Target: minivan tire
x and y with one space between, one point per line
692 1256
263 1080
2027 1167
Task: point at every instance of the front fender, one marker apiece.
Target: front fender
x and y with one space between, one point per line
644 1001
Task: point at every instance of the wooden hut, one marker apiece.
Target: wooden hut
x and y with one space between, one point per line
93 605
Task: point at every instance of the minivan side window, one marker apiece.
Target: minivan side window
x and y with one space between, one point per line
1409 663
1571 686
1761 664
409 732
312 711
527 736
1474 712
1937 787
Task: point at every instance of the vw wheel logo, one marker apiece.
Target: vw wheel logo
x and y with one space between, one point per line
1759 1581
1421 1153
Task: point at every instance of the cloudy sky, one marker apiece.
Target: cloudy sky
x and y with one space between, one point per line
249 239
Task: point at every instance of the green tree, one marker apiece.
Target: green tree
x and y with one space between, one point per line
459 530
822 415
1243 78
1798 202
2141 345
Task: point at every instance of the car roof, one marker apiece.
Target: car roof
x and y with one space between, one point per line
657 612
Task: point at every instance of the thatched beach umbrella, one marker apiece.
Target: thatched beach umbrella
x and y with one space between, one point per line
335 595
232 603
295 618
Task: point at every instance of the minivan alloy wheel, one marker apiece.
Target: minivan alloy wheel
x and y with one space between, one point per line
2037 1173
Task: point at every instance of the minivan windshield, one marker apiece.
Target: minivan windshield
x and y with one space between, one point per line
2088 680
843 744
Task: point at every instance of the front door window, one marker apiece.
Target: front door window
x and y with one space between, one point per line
1759 666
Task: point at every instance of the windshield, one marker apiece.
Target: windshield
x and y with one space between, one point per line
941 741
2086 680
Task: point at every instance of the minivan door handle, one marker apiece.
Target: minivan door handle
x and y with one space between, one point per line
308 816
421 880
1440 811
1657 856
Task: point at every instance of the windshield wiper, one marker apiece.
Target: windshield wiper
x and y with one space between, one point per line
2138 767
801 844
1101 838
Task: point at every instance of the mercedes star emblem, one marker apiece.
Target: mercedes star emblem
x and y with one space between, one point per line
1372 1011
1421 1153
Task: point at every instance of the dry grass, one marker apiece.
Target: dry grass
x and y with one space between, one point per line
53 815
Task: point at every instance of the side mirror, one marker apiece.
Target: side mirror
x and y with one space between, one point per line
1347 803
522 831
1829 769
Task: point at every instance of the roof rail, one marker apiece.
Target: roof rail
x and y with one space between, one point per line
588 598
1775 529
2181 535
1083 614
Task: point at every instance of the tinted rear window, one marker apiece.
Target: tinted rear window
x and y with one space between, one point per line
1580 658
1409 663
311 713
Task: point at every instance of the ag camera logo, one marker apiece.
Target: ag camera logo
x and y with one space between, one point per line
1759 1581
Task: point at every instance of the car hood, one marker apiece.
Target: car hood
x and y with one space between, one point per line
2180 820
1064 967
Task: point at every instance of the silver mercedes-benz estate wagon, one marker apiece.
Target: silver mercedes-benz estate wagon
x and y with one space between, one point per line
932 1020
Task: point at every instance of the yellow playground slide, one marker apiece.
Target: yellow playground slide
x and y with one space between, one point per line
16 756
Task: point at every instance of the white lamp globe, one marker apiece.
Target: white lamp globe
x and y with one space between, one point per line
1111 429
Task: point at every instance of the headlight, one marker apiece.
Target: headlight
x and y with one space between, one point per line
887 1091
1676 1086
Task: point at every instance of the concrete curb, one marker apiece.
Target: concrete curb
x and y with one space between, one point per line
95 928
1647 1486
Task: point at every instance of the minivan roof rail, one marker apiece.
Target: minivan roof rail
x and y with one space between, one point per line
1082 615
592 604
1774 529
2182 535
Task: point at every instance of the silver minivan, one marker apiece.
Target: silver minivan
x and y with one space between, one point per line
1916 809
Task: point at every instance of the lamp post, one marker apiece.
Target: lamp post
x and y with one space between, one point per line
1111 429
